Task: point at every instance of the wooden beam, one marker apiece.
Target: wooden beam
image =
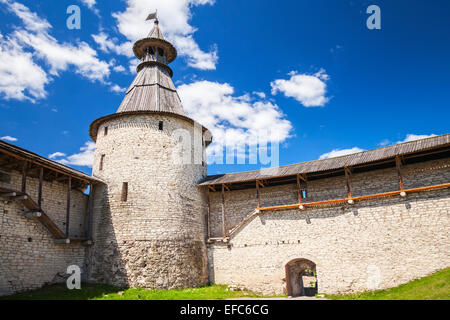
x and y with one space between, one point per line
69 189
208 213
302 177
38 162
41 180
258 182
90 210
299 189
223 210
371 196
226 187
347 181
398 164
60 178
24 176
5 162
258 199
211 188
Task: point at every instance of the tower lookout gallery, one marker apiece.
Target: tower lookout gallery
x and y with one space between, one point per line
154 218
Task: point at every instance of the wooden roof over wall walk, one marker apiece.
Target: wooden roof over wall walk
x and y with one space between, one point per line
365 158
13 157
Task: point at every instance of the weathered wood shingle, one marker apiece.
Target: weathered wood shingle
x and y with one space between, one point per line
333 163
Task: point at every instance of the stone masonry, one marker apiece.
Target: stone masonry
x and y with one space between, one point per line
29 257
392 239
156 238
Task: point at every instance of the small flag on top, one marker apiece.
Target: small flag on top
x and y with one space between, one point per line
152 16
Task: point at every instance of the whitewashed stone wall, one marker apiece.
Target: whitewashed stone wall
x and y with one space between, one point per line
156 239
29 258
400 239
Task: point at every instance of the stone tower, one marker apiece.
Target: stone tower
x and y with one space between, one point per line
149 218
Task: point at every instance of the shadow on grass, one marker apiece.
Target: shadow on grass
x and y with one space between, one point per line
106 292
60 292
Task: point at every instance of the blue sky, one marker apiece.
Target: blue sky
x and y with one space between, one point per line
310 70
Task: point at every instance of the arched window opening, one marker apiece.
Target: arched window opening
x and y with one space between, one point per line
161 52
150 50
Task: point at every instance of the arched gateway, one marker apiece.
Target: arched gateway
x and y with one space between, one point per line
301 279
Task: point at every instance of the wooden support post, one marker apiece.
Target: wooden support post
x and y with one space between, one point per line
41 180
208 213
90 210
69 188
299 190
24 176
398 163
347 180
223 210
258 200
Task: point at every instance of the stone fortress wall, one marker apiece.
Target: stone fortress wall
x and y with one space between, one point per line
391 239
156 237
29 257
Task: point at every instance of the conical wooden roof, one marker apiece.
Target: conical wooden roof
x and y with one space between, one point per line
152 90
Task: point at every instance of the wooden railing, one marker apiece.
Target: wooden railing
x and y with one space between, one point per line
304 205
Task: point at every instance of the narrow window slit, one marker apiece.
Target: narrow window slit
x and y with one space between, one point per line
161 126
124 191
102 160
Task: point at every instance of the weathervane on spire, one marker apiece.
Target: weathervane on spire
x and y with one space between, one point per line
152 16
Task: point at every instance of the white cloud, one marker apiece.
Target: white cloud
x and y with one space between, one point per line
119 68
262 95
309 90
84 159
61 56
107 44
174 16
413 137
117 89
233 120
384 143
338 153
30 19
9 138
89 3
20 76
56 155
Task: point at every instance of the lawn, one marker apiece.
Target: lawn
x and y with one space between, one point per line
105 292
433 287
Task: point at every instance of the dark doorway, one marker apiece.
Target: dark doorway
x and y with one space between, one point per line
301 278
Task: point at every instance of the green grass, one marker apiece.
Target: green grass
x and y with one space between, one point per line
105 292
433 287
